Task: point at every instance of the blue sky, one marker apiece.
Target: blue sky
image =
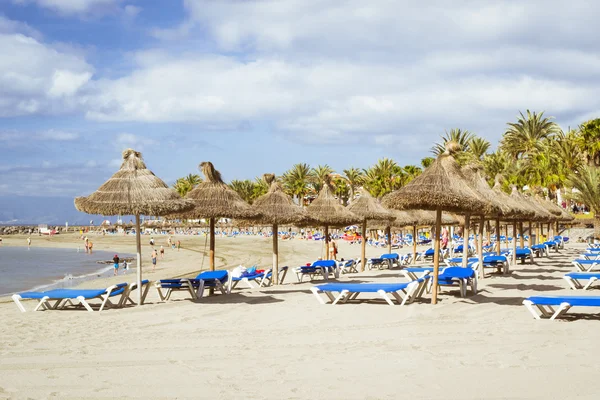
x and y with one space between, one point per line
256 86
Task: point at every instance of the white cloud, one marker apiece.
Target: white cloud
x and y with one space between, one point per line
59 136
136 142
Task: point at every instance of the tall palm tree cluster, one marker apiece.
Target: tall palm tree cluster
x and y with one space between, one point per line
533 152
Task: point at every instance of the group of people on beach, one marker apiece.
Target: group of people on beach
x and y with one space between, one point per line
170 243
116 261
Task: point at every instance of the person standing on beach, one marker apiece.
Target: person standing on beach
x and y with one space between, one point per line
28 241
162 252
178 245
116 264
87 244
154 256
90 245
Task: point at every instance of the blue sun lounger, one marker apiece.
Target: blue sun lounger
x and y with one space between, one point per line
585 265
402 292
220 280
261 279
63 298
542 306
575 279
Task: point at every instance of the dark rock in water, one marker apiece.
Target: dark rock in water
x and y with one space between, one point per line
128 259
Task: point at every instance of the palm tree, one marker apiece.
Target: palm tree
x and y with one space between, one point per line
296 181
384 177
186 184
586 181
478 147
341 189
526 136
427 161
354 177
411 172
259 188
463 138
244 188
589 141
318 176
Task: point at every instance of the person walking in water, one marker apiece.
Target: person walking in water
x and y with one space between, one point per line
28 241
154 256
116 264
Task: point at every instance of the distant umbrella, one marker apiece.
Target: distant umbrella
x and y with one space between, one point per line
276 207
441 187
367 208
133 190
327 211
213 199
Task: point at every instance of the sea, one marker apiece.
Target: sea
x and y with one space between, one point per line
40 268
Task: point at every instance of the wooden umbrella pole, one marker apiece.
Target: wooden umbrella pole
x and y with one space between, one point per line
521 234
138 244
363 246
488 232
414 257
498 244
514 257
537 233
480 249
530 234
436 255
549 230
275 256
211 251
327 242
389 235
465 254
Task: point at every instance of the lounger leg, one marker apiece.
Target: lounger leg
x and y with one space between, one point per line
43 304
145 293
17 299
247 282
572 282
315 291
529 305
562 310
84 303
590 283
401 300
340 297
385 297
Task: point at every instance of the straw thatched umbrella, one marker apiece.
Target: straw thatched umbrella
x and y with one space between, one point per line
398 219
276 208
133 190
328 211
440 187
367 208
520 210
213 199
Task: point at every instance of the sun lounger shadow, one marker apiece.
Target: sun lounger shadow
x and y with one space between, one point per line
481 298
272 291
237 298
524 287
546 270
537 277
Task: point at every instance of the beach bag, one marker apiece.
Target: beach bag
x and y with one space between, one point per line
238 271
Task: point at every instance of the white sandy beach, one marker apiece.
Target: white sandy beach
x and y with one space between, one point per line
280 343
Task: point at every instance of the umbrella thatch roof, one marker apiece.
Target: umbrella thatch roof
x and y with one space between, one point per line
560 213
327 210
399 219
540 214
214 199
133 190
427 218
440 186
521 210
472 173
367 207
276 207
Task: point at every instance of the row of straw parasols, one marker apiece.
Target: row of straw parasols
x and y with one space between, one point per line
135 190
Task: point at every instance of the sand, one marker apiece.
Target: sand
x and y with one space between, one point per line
280 343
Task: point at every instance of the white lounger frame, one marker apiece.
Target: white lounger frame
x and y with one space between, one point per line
404 296
45 303
585 267
576 284
538 311
186 285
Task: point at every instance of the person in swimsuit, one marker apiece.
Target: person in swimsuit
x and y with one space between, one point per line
162 252
154 256
116 264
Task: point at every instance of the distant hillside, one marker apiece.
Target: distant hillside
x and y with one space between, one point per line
27 210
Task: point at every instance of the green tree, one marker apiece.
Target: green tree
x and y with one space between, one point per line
384 177
589 141
184 185
478 147
318 175
244 188
341 188
355 178
526 136
296 181
462 137
427 161
586 182
411 172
